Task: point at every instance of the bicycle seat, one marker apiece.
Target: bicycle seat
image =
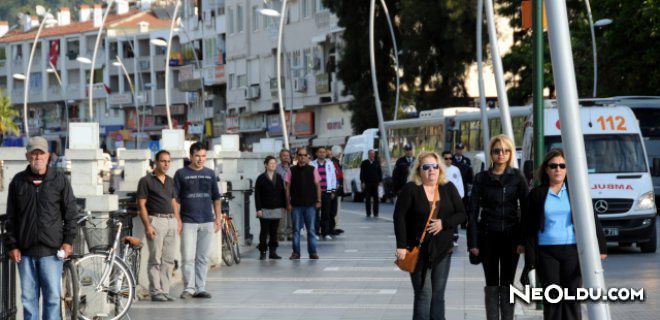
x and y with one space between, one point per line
133 241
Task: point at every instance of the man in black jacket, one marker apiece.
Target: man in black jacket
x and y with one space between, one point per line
463 164
402 168
371 175
41 226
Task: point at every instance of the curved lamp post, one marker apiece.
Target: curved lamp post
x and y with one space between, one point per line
599 23
93 61
47 19
120 64
53 70
167 63
374 82
274 14
485 126
396 57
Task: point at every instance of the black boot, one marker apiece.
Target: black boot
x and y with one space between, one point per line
492 302
506 308
262 255
273 255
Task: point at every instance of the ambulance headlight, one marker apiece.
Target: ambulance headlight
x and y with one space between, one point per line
646 201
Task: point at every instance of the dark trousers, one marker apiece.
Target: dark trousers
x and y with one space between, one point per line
371 192
268 232
429 287
334 208
560 265
327 217
499 257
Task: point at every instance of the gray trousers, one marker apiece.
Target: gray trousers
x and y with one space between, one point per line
161 254
196 240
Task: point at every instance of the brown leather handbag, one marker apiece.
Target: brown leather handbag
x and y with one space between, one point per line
409 262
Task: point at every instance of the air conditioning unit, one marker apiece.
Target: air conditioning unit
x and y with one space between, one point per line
252 92
300 84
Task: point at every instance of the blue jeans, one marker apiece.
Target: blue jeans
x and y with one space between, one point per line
196 241
429 286
308 216
40 275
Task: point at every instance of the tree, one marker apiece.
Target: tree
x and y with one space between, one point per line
7 117
627 54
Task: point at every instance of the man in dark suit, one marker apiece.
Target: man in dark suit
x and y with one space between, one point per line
371 175
402 169
463 164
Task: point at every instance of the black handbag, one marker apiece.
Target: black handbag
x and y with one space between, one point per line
475 260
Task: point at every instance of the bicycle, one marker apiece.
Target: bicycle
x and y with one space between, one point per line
231 252
106 275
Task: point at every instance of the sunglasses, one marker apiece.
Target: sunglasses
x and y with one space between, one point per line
428 166
556 165
501 151
447 158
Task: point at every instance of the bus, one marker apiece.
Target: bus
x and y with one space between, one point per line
618 170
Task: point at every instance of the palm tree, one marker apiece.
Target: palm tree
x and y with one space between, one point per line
7 116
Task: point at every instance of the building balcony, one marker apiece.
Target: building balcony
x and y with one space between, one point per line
55 93
17 95
73 92
3 68
144 64
176 97
17 65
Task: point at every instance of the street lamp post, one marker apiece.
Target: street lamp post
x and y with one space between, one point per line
93 61
47 18
485 128
573 141
599 23
53 70
396 57
121 65
167 64
374 82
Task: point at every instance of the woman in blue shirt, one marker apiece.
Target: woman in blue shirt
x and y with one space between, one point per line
550 236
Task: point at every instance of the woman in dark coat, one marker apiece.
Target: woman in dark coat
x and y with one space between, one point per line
411 212
493 234
270 202
550 236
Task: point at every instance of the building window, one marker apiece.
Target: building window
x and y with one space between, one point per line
305 8
239 19
296 62
231 82
255 18
319 6
308 61
230 21
241 80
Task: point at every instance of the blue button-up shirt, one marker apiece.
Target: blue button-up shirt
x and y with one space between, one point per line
558 228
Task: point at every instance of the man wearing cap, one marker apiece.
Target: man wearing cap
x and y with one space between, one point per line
402 168
41 225
465 166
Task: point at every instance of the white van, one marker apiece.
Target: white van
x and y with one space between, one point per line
357 150
621 185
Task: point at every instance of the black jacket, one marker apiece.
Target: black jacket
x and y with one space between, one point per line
400 174
534 222
40 219
269 195
370 172
494 204
465 166
411 212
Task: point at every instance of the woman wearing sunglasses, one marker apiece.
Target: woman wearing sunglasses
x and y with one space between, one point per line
428 188
550 235
494 232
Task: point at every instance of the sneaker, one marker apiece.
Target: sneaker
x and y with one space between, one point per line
168 297
313 256
327 238
317 237
262 255
294 256
202 294
274 256
186 295
455 243
159 297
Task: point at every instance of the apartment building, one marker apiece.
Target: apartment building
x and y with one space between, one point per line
315 100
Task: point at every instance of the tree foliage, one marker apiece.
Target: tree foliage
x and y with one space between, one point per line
8 117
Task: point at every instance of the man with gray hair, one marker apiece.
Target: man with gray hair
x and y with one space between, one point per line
41 226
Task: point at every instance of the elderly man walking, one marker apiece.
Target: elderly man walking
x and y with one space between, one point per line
41 226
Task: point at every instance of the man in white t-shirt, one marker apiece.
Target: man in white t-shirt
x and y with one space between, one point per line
453 174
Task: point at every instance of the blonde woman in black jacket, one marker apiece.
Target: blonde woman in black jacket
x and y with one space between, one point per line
494 234
550 236
410 215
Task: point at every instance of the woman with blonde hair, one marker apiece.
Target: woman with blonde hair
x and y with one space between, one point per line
428 188
494 233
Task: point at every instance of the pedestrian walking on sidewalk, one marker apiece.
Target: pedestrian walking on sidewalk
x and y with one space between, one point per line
497 201
428 188
336 155
270 202
550 236
328 183
199 196
285 228
454 176
371 175
304 197
402 168
40 228
159 213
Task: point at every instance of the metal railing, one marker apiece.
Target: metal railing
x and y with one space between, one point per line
7 277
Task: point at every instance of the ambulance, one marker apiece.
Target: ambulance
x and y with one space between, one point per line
619 176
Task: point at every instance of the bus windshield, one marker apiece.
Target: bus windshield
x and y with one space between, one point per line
619 153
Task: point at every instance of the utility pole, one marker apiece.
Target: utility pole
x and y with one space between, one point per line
537 79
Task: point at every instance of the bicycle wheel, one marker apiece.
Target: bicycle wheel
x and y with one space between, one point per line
227 255
110 299
235 245
132 259
70 289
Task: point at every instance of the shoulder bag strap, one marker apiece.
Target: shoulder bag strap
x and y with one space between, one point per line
435 199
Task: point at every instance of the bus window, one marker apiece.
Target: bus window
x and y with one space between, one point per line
609 153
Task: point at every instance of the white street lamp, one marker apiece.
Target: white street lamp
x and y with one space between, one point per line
599 23
120 64
396 58
159 42
93 62
485 127
273 14
53 70
84 60
602 22
18 76
167 63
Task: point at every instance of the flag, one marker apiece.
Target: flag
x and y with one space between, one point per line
54 51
